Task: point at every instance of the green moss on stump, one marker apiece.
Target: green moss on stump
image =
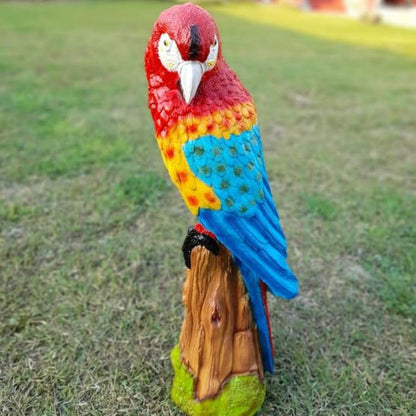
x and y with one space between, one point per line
241 396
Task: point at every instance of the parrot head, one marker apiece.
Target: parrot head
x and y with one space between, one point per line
184 47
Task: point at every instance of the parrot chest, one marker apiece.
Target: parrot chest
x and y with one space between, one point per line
205 153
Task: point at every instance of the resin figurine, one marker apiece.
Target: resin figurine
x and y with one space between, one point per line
206 128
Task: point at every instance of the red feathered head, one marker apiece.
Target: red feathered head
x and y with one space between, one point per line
183 48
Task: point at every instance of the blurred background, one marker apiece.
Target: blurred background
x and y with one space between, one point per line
91 227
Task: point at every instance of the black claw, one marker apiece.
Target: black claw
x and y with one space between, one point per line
194 239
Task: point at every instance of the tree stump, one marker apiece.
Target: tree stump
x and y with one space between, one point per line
218 366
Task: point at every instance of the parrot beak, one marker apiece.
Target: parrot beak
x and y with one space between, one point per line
190 73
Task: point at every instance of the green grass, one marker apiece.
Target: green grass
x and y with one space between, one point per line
91 228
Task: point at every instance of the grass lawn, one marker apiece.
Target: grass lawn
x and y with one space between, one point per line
91 227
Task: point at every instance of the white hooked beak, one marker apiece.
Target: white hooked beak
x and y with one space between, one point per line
190 73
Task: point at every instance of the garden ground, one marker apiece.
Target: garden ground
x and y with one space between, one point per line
91 227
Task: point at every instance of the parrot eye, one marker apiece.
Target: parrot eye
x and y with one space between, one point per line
169 53
212 56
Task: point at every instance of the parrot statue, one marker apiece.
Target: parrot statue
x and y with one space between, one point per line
207 131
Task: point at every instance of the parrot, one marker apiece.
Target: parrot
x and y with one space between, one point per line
207 131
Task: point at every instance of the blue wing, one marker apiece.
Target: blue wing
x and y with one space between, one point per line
247 223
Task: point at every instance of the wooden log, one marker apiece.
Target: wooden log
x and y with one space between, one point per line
218 338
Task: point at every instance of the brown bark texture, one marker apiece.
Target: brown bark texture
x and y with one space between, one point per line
218 338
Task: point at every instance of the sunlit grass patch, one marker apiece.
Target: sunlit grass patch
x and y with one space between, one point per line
328 27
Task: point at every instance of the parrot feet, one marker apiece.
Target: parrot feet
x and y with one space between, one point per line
199 236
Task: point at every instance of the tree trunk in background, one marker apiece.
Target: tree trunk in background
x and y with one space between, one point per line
218 338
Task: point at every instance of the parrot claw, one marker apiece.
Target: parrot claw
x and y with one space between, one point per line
198 236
